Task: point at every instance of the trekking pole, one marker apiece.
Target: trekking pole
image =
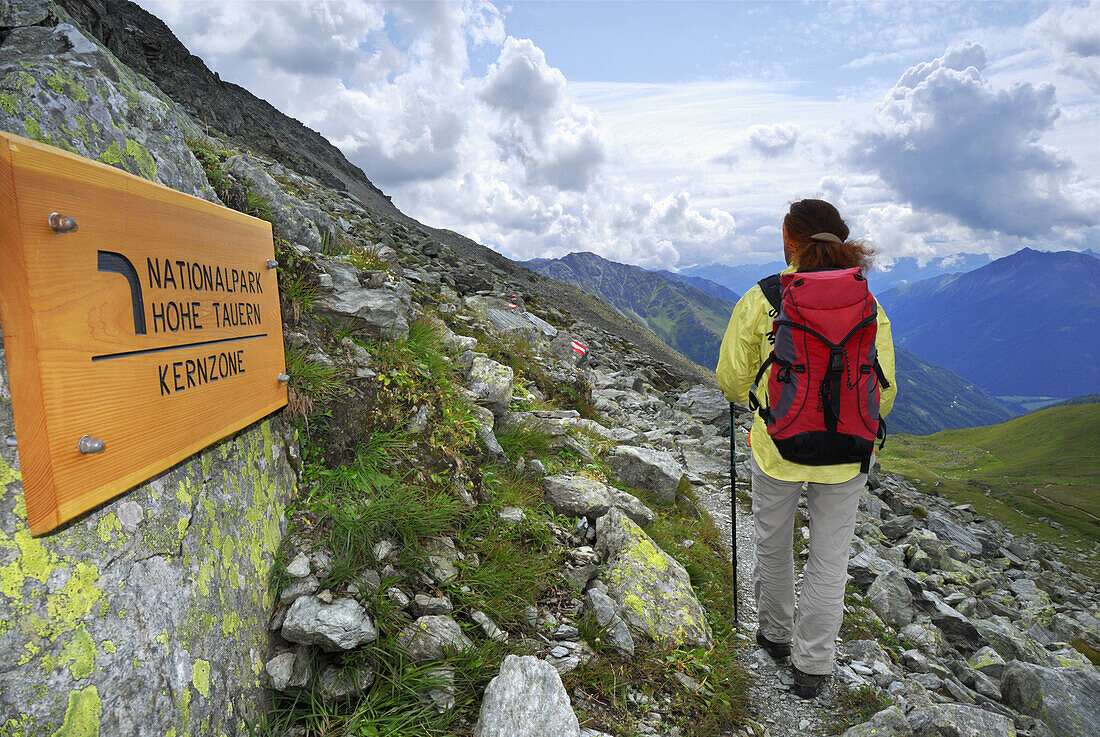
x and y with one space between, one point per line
733 510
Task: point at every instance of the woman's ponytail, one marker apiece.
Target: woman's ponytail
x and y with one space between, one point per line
819 236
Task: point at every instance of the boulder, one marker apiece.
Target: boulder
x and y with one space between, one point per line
607 617
1065 699
988 661
491 383
891 599
706 405
645 468
959 720
526 699
889 722
341 625
1012 644
577 496
652 590
298 221
432 637
953 533
382 312
442 556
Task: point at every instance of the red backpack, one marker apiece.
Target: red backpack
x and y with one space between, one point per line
822 400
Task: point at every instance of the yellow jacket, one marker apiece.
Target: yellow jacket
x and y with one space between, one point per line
744 349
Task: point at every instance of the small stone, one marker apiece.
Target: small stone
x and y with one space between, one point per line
398 597
342 625
422 605
299 567
513 515
488 626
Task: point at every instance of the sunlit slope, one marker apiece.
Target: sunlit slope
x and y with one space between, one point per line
1045 464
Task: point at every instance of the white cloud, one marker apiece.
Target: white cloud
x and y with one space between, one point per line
947 142
1072 34
773 140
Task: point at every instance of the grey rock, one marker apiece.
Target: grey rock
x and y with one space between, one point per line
432 637
577 496
988 661
299 587
442 557
300 222
512 515
342 625
419 422
865 567
645 468
491 383
1066 699
926 637
339 683
423 605
957 628
526 699
652 589
62 88
898 527
607 617
891 599
706 405
889 722
958 720
299 567
488 626
286 671
440 694
400 599
1012 644
953 533
379 312
632 507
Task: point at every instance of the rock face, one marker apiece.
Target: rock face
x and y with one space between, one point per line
163 590
1066 699
61 87
148 614
653 590
527 699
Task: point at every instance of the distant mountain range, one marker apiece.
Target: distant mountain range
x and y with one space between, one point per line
1024 325
684 316
903 271
931 398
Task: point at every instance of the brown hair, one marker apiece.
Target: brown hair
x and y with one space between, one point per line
811 217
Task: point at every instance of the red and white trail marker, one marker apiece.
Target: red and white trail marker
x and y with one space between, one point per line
579 347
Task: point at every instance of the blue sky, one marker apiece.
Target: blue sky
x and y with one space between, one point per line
667 134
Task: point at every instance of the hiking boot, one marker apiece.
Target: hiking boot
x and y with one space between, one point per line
778 650
807 685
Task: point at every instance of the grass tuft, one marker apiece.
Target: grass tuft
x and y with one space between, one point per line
855 706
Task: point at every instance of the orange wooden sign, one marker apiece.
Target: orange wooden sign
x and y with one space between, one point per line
146 333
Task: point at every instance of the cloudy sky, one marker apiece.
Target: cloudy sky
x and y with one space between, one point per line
667 134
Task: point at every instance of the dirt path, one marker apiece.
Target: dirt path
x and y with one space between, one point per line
772 704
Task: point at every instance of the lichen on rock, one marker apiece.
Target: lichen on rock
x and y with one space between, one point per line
652 589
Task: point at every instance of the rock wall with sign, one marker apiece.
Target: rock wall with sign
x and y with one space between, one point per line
147 615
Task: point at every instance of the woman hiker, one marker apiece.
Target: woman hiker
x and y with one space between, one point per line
815 239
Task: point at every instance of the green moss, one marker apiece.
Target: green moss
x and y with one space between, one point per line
106 527
79 654
200 677
109 647
31 128
24 81
112 155
82 715
9 103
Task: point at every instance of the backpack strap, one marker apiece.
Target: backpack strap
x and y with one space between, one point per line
773 292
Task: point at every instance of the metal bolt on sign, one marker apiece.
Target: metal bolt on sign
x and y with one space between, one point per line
62 223
283 378
272 263
87 445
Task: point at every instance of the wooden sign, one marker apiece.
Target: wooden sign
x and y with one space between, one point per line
138 337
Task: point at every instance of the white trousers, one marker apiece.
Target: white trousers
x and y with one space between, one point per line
812 627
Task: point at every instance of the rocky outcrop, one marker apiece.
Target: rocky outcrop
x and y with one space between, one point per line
653 590
148 614
1067 700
